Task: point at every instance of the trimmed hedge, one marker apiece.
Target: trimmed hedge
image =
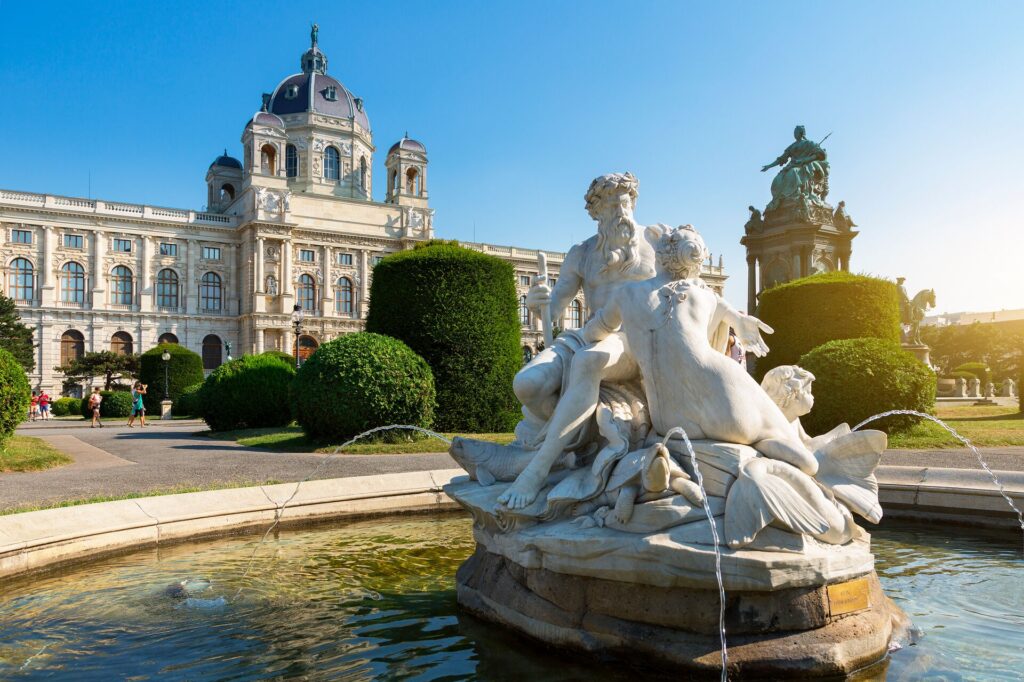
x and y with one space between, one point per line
247 393
859 378
184 369
456 308
966 376
810 311
115 404
361 381
287 357
188 402
1020 396
978 369
15 394
62 407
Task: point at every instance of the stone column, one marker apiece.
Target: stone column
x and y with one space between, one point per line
190 288
47 289
751 284
99 275
258 333
364 283
326 287
805 261
286 267
258 265
145 277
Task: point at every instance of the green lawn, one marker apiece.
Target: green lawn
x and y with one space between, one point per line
291 439
173 490
24 453
992 425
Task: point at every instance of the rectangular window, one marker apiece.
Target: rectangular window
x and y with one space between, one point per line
211 253
21 236
167 249
73 241
524 280
123 245
344 259
377 259
307 256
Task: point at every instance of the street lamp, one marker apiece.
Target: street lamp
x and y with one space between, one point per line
166 357
297 315
227 348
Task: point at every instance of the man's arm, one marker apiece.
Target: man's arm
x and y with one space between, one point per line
568 285
604 323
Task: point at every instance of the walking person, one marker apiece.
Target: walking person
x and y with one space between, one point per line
734 349
138 407
33 406
44 405
94 404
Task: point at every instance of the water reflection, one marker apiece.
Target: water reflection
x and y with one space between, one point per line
376 600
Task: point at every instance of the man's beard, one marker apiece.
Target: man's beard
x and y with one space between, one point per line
618 245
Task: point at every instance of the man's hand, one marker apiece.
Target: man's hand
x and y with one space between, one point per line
539 294
748 330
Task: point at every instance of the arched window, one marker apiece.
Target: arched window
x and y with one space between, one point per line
291 161
167 289
167 337
394 181
412 181
21 280
575 320
211 291
307 346
72 283
332 165
121 343
72 346
212 349
307 292
227 192
343 297
362 172
121 286
524 312
268 159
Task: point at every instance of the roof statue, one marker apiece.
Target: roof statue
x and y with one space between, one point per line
314 34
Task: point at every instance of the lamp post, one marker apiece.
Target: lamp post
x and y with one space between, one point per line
166 357
297 323
227 348
165 404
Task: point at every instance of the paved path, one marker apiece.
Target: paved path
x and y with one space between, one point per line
165 455
117 460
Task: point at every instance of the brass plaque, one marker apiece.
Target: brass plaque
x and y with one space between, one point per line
848 597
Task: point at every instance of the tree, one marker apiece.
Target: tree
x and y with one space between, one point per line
15 337
106 364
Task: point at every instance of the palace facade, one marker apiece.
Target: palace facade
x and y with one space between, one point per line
292 224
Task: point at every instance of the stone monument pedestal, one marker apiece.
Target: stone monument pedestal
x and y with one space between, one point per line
165 409
794 606
920 351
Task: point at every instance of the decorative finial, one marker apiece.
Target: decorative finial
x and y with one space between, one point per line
314 33
407 134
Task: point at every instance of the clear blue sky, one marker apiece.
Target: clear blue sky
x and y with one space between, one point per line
522 104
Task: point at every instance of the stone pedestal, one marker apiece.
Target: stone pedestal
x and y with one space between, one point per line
165 409
920 351
794 606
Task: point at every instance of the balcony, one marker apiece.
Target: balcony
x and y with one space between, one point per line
114 208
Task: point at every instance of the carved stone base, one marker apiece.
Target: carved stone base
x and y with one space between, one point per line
920 351
812 630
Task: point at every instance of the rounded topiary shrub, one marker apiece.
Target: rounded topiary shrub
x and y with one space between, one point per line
859 378
188 401
978 369
810 311
115 404
361 381
184 369
246 393
456 308
287 357
62 407
15 394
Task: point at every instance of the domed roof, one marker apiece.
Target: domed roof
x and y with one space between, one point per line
314 90
408 144
226 161
267 119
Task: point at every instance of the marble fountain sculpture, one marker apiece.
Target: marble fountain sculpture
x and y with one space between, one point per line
599 529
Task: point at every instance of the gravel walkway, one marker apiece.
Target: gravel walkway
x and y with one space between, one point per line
170 454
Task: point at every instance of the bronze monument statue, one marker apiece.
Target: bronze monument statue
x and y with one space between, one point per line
803 179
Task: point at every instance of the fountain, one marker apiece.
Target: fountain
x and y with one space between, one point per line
659 507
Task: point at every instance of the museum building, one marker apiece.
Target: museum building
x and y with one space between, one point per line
291 224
